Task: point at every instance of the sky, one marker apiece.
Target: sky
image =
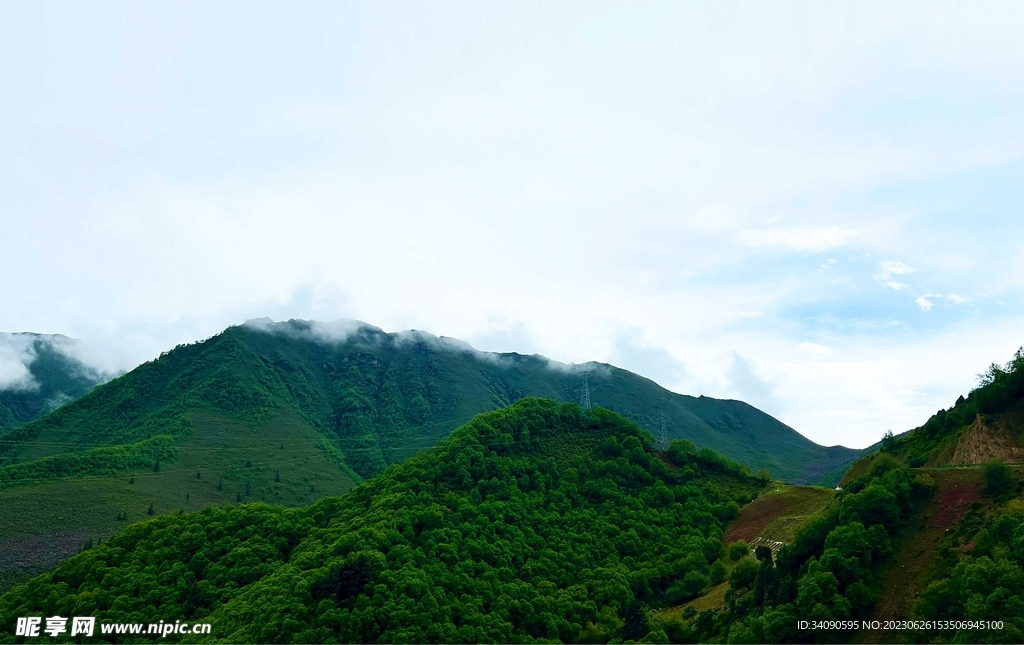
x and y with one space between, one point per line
812 207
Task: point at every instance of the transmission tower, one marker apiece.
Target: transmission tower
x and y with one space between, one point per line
585 394
661 440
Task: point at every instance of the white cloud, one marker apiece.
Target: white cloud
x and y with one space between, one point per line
528 170
17 352
331 332
715 218
926 303
813 349
805 240
889 268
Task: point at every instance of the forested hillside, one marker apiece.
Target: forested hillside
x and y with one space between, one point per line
832 570
383 397
535 522
290 412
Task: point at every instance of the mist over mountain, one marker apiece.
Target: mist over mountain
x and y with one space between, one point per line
439 382
41 372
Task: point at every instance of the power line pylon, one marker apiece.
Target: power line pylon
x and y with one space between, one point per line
585 394
661 441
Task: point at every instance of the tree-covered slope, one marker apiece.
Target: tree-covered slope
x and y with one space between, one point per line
534 522
383 397
289 412
42 374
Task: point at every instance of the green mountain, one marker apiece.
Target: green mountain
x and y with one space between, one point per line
287 413
536 522
383 397
39 373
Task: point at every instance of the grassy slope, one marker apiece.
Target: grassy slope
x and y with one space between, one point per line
777 513
47 522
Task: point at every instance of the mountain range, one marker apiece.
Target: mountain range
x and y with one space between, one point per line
290 412
537 521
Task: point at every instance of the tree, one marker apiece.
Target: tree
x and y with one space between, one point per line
277 476
737 550
743 573
888 441
156 468
997 477
151 510
635 626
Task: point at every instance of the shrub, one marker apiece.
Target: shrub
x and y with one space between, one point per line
997 477
737 550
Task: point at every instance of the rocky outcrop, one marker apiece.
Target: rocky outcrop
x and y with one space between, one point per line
1000 437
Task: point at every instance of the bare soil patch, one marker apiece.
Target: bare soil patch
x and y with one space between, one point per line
956 490
782 508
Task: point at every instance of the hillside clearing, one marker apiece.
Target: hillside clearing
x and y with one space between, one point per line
47 522
772 519
777 513
956 489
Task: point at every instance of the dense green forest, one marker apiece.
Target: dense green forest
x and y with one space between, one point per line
537 522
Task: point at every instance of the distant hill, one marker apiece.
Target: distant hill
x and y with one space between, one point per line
290 412
383 397
39 373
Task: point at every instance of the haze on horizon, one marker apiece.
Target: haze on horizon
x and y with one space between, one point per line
811 207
